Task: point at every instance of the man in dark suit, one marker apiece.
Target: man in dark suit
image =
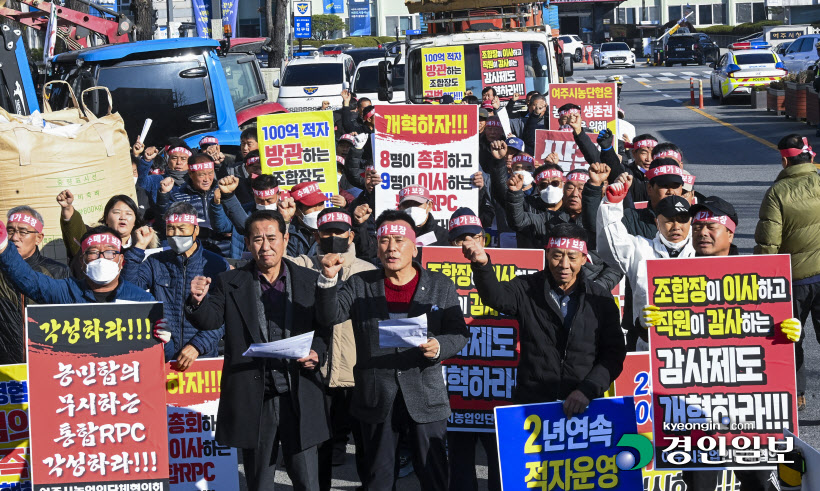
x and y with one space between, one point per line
397 389
266 401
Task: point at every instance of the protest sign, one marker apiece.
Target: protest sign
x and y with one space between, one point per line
96 389
723 377
442 72
14 429
598 102
482 375
562 143
539 447
299 147
502 68
197 461
434 146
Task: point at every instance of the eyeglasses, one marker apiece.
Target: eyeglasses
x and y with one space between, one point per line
460 241
23 233
93 255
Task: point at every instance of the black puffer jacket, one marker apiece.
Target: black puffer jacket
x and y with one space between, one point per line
556 361
12 329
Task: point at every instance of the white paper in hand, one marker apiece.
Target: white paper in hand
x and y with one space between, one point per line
426 239
145 128
292 348
403 333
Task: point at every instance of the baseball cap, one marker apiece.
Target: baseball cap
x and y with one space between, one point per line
208 140
307 193
718 207
446 99
419 194
334 219
672 206
462 222
516 143
483 114
664 171
488 105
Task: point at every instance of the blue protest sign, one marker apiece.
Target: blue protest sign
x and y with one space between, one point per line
359 17
539 447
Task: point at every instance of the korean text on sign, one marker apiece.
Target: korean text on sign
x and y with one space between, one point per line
502 68
443 72
598 102
14 428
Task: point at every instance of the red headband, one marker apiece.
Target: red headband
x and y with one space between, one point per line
181 151
549 174
663 170
334 217
578 176
794 152
208 140
492 122
200 166
252 161
100 239
567 112
708 216
396 229
182 218
340 160
565 243
27 219
644 144
669 154
522 158
688 179
464 220
309 189
266 193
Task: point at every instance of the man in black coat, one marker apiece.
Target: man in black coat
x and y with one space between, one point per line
397 389
572 347
267 401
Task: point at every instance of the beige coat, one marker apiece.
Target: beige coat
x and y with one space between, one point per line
342 354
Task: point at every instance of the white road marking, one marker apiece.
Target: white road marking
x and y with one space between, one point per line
665 79
645 75
691 74
641 79
668 74
667 96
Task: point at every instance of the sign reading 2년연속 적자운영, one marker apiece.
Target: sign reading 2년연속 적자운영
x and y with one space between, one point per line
97 393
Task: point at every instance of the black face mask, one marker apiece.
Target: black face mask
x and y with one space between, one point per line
334 245
178 175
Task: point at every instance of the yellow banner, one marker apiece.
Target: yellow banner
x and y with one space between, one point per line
443 72
14 427
299 147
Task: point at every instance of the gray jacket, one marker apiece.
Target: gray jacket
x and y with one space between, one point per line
380 372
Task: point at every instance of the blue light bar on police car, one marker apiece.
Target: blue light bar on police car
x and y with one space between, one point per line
750 45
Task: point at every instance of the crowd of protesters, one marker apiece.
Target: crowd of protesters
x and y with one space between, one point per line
236 260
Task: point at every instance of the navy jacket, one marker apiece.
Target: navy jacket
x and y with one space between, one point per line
167 275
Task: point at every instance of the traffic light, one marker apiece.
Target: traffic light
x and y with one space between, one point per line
385 80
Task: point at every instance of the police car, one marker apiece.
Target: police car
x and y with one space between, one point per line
308 80
743 67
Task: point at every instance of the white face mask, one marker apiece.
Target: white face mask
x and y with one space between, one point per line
310 220
339 177
552 195
181 243
418 214
102 271
135 180
266 207
528 179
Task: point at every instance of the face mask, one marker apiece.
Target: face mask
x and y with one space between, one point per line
181 243
675 246
266 207
178 175
338 177
418 214
310 220
102 271
334 245
135 180
552 195
528 179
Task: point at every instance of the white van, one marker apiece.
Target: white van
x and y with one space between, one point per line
307 81
366 80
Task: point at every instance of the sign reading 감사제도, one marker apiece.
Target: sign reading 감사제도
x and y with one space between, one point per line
723 378
97 393
539 447
502 68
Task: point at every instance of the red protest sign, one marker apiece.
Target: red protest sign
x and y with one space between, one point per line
482 375
598 102
562 143
502 68
97 400
723 377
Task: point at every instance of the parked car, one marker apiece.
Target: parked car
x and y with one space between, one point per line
361 54
573 45
782 47
366 80
801 54
307 81
334 47
614 55
743 67
690 48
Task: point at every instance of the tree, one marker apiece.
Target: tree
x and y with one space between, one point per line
143 19
324 25
276 18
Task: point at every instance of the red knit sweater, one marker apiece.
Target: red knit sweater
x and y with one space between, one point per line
399 296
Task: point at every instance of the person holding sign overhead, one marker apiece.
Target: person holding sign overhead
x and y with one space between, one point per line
397 388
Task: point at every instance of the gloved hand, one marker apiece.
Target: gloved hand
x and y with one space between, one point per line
791 328
616 192
651 316
160 332
361 140
605 139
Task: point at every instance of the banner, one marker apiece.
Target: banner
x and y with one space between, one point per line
359 17
334 6
97 400
442 72
562 143
435 146
15 474
599 104
197 461
502 68
482 375
229 9
202 18
539 447
723 378
299 147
